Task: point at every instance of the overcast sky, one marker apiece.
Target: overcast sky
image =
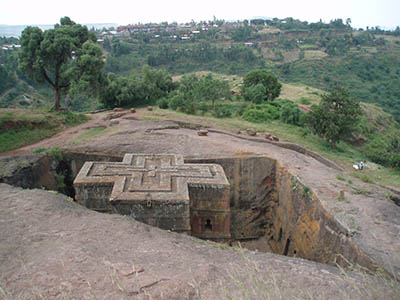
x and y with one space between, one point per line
384 13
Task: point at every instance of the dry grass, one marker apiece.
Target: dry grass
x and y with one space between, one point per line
370 49
90 134
249 280
244 280
295 92
267 53
230 78
314 54
269 30
308 46
390 38
291 56
24 114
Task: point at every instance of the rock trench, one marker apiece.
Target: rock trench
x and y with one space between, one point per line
271 210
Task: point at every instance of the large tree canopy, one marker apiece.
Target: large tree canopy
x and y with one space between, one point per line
336 116
204 88
65 57
132 90
272 88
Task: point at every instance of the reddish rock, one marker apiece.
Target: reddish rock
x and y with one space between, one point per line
202 132
251 132
114 122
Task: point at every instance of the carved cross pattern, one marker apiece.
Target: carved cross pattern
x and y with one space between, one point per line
154 177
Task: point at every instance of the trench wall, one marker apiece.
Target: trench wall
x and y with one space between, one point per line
302 227
268 201
32 171
252 182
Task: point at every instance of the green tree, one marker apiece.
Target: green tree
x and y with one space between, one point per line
267 79
65 57
120 48
242 33
7 79
123 91
131 90
255 93
159 82
107 44
205 88
110 94
187 85
209 88
336 116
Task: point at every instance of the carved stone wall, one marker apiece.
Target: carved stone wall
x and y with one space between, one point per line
160 190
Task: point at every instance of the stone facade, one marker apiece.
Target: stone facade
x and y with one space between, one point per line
160 190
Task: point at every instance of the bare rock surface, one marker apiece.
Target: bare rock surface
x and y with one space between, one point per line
372 219
54 249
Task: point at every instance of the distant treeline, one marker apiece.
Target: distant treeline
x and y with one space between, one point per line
364 61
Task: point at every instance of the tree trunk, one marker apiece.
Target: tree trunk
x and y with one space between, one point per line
57 89
333 144
57 99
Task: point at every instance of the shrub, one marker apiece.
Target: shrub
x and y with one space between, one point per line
365 178
377 151
56 152
291 114
222 112
305 101
188 107
395 160
272 109
256 116
340 177
162 103
241 108
72 119
176 102
203 107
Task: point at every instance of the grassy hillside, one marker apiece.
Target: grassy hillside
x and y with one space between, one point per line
316 54
372 78
20 127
